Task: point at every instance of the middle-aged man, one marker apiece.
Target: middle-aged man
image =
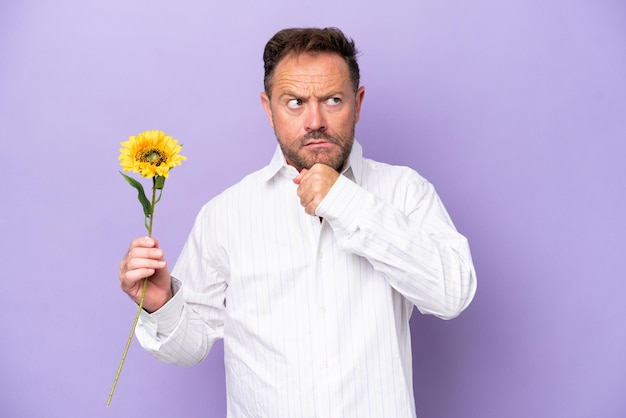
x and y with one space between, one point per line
309 268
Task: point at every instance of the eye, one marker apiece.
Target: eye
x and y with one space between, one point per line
333 101
294 103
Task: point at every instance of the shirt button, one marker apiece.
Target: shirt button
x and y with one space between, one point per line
322 308
325 364
320 254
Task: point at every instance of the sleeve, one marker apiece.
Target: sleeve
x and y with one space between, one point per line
408 237
183 331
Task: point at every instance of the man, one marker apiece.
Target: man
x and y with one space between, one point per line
310 267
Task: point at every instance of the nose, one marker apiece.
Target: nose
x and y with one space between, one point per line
315 120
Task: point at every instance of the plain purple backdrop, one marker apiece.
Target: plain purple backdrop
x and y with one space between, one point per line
515 110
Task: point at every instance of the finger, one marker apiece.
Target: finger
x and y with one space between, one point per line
133 278
147 242
137 274
136 263
140 258
138 269
300 175
143 252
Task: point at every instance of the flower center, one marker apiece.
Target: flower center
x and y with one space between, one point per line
154 156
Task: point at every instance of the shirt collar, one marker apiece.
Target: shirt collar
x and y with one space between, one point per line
353 169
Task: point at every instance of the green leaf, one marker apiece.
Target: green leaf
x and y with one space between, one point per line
158 199
141 195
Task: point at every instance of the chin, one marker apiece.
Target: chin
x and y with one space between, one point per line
334 163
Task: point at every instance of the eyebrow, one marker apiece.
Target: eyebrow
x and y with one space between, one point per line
290 93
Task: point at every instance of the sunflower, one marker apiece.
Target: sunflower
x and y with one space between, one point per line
150 154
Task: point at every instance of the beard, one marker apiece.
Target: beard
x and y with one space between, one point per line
296 154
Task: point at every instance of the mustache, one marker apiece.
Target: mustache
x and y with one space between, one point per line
319 135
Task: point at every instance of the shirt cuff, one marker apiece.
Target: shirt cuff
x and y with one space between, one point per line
343 204
164 321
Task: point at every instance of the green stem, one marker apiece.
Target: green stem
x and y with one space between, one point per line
143 296
152 205
130 338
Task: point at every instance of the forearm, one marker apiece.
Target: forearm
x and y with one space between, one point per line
418 250
176 333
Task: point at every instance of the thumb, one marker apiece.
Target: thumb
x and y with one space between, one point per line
298 178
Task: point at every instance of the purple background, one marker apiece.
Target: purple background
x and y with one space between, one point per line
516 111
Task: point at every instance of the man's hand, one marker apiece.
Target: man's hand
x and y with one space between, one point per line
145 259
314 184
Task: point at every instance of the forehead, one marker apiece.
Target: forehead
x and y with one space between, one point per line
304 71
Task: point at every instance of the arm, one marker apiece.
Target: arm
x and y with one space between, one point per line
408 237
183 328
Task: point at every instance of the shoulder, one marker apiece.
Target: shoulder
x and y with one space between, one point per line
401 186
380 172
236 192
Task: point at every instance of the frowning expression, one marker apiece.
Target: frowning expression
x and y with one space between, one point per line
313 109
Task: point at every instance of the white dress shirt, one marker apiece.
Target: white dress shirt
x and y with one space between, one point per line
314 310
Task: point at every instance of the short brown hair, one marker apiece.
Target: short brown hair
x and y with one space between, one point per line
309 40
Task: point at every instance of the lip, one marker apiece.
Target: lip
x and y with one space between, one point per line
319 144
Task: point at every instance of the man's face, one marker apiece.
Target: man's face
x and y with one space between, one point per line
313 109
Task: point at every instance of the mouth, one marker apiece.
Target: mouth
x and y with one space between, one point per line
320 146
317 143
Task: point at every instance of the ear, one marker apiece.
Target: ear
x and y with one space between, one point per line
265 101
360 94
